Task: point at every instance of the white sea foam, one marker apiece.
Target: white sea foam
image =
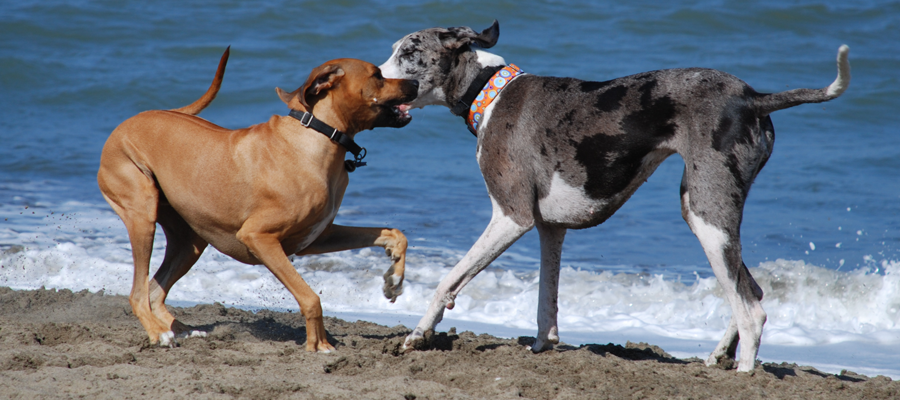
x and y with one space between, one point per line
82 246
807 305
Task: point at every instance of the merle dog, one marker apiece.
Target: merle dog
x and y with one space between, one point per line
562 153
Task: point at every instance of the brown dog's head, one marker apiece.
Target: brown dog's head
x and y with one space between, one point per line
354 92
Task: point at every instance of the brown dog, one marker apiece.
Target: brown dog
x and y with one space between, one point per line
257 194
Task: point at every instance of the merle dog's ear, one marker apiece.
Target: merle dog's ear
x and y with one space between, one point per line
488 37
322 78
454 38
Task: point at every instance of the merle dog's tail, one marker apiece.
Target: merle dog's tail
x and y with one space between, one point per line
201 103
768 103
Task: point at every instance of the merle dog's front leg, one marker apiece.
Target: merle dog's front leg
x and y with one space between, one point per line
500 233
548 294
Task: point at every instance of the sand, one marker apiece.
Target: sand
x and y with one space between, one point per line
61 344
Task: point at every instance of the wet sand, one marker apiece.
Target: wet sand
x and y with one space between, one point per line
60 344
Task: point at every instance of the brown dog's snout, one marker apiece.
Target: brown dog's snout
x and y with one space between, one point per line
410 89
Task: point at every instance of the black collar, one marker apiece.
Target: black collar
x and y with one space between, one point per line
461 108
341 138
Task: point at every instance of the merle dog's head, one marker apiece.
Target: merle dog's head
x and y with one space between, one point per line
443 60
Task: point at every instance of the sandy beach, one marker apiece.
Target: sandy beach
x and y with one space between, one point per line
63 344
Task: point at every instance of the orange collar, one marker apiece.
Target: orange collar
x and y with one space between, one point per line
490 91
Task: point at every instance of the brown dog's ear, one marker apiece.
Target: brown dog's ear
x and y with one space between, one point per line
322 78
286 97
454 38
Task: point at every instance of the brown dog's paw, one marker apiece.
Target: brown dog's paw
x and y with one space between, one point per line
166 339
393 285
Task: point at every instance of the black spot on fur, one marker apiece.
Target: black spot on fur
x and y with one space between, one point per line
588 86
737 201
613 161
732 253
611 99
722 132
568 118
729 134
445 65
749 93
647 92
606 176
654 118
766 126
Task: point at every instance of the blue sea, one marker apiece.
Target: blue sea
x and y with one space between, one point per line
821 230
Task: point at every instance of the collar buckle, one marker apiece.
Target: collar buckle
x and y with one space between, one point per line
308 120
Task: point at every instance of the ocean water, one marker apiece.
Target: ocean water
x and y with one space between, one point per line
821 229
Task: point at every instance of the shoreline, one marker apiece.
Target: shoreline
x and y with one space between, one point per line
59 343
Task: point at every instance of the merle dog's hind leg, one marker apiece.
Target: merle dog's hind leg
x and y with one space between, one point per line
714 215
727 347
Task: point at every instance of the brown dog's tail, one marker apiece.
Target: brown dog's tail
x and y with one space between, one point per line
201 103
768 103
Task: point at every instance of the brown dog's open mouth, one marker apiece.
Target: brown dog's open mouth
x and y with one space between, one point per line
393 115
402 112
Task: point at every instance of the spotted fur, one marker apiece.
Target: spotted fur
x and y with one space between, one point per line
563 153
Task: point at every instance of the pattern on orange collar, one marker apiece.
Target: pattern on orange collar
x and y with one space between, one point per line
490 91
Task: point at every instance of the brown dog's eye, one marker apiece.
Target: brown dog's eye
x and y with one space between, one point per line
378 75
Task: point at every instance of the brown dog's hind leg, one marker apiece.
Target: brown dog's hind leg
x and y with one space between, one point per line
267 248
183 248
339 238
134 197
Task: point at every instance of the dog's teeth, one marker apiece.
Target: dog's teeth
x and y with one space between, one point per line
402 110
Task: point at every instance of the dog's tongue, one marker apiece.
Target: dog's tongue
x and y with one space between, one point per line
403 109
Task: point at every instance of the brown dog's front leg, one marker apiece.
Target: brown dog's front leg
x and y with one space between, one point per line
267 248
339 238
